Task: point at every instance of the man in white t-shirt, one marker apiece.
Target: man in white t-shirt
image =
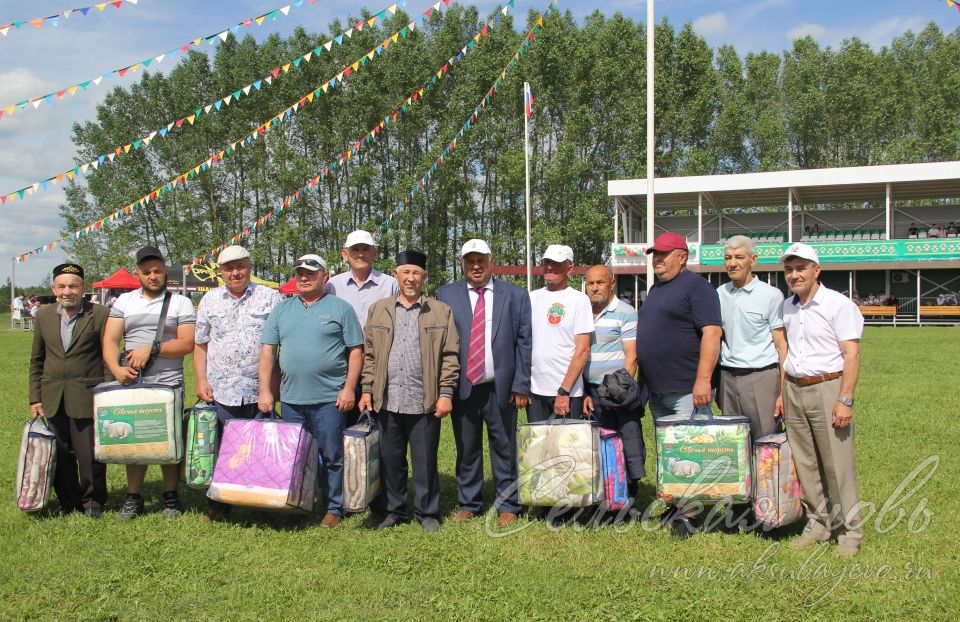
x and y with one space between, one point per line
133 320
562 321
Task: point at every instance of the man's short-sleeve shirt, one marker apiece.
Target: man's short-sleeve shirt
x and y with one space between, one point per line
361 297
815 330
556 318
669 328
140 316
749 314
231 328
614 326
313 344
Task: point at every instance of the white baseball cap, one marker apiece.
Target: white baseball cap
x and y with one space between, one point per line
232 253
359 237
310 262
558 253
475 246
803 251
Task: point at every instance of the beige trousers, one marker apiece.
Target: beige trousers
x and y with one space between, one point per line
825 461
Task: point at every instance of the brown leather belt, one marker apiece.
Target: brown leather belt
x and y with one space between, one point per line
807 381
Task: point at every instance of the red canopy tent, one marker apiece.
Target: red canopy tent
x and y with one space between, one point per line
290 287
121 279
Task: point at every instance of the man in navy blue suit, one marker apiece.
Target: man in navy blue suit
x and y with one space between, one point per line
493 321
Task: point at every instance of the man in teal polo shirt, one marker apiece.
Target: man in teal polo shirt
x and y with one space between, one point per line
320 361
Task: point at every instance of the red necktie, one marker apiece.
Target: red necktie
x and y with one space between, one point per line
476 354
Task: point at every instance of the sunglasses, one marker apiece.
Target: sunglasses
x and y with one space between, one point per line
309 263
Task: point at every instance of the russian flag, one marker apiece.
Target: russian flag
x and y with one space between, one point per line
527 100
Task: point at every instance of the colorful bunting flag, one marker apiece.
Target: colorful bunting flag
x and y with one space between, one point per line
36 101
218 104
55 19
180 179
354 151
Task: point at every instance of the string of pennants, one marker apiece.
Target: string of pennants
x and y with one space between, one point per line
64 15
467 125
73 89
953 4
188 120
355 149
260 131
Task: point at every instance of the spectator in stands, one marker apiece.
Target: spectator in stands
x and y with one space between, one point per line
934 231
816 227
952 229
806 230
913 229
871 300
947 298
891 300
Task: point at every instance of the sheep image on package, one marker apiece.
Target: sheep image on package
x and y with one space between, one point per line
776 487
35 465
138 423
559 463
703 459
265 463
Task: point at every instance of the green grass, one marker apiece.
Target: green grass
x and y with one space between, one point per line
908 403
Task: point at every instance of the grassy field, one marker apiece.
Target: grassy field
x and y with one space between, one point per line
259 567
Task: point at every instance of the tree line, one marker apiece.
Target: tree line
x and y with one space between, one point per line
716 112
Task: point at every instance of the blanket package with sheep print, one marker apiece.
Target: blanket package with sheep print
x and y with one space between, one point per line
559 463
138 424
267 464
35 465
703 459
361 465
776 488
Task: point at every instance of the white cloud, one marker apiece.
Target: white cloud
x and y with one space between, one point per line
883 32
711 25
816 31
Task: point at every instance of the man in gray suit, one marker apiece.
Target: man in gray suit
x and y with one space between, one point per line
493 321
66 362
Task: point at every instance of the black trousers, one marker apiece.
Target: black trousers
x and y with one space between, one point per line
469 417
79 481
541 408
422 434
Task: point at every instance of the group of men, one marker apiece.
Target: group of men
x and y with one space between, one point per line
364 341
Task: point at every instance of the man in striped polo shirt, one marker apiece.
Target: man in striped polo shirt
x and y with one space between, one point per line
613 347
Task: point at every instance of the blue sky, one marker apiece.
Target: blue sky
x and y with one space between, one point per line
35 144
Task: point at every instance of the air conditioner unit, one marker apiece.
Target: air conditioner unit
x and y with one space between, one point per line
900 276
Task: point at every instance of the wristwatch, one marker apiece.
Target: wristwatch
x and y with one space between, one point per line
155 348
846 401
563 392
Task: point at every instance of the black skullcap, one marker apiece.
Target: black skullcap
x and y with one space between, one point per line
415 258
68 268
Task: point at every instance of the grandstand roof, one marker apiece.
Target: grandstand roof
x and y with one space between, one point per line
857 184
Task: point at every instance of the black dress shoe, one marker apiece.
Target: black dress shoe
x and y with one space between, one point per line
682 527
390 521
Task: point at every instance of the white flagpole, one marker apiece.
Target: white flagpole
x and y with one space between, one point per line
651 137
526 158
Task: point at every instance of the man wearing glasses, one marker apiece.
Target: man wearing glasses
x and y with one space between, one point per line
320 344
226 354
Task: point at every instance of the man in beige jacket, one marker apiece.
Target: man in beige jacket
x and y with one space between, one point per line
410 372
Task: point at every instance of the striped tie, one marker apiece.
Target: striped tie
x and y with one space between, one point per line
477 354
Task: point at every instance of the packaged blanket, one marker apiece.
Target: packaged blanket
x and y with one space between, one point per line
705 459
776 488
559 463
203 438
361 464
35 465
138 424
265 463
614 470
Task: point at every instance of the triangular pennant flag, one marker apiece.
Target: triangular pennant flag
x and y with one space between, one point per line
328 45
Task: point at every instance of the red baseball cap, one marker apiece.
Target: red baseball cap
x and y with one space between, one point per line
668 241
